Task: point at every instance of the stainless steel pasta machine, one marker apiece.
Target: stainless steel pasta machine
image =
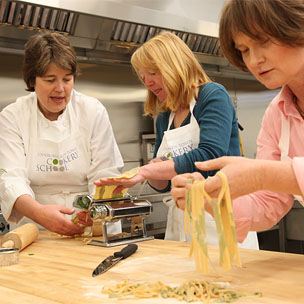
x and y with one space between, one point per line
130 210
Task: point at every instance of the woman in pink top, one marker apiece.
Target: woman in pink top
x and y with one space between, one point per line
266 38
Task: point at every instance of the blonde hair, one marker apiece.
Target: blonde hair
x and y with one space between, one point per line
181 73
282 20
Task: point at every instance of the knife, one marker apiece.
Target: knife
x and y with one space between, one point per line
111 260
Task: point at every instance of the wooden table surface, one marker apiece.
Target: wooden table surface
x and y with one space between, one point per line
59 270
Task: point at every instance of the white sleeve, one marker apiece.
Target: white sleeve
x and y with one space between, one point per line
106 159
14 182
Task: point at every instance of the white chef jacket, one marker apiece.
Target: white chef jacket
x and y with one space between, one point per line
15 137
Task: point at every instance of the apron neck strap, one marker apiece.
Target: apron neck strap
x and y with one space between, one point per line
284 139
172 114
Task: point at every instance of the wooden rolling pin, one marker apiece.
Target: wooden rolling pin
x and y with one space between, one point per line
20 237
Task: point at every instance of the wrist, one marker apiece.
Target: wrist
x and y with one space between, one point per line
27 206
143 171
260 175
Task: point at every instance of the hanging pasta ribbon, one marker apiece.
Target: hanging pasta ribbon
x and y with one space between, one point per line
224 219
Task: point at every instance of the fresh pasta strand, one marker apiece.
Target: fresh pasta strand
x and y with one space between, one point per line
225 225
188 209
199 240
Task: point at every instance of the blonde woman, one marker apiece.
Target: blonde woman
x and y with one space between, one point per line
195 121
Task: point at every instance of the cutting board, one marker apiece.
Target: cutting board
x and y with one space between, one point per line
58 270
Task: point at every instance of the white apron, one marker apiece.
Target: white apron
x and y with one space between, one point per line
58 169
177 142
284 146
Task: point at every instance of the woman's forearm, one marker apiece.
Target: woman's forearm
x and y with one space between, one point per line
27 206
279 176
158 174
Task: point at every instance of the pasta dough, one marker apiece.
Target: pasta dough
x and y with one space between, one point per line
105 192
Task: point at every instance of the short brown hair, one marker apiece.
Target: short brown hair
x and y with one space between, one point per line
282 20
43 49
182 74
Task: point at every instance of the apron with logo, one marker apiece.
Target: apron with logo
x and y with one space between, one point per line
177 142
58 169
284 146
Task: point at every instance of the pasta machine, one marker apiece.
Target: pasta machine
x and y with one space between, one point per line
130 210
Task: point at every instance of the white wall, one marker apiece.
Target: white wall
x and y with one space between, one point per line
250 110
252 99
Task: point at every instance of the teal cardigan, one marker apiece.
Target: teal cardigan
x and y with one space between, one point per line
219 134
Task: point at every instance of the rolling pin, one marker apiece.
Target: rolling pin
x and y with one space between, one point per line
20 237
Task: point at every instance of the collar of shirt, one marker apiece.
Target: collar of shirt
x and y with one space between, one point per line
56 130
286 103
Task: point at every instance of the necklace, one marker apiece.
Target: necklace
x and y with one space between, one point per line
295 100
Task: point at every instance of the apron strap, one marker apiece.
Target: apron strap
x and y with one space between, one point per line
172 114
284 146
284 139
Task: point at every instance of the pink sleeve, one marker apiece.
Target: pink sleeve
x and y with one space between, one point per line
259 211
298 166
263 209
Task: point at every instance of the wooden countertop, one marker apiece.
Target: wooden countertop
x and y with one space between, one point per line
59 270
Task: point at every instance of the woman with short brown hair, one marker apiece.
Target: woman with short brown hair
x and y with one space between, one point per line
42 50
55 142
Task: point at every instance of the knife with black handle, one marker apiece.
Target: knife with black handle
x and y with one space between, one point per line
111 260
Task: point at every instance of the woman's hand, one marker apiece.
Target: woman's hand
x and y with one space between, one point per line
155 160
121 183
84 218
244 175
52 218
180 186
